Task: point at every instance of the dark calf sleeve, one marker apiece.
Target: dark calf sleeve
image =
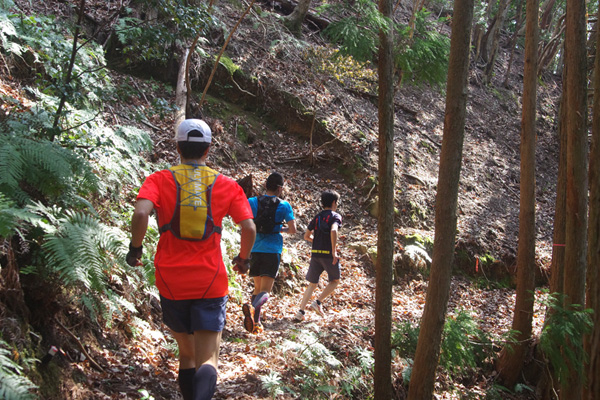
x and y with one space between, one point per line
186 383
205 381
257 303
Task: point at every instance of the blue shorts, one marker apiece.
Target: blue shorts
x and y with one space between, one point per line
320 264
194 315
264 264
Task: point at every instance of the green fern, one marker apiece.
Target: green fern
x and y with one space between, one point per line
272 383
358 29
12 218
458 355
119 158
13 384
38 169
405 338
561 340
81 250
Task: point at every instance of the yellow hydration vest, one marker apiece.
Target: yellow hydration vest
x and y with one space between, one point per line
192 217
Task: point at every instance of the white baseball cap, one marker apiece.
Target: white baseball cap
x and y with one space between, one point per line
199 130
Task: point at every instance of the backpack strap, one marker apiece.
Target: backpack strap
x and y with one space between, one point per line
167 226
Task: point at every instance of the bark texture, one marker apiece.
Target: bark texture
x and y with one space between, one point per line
434 314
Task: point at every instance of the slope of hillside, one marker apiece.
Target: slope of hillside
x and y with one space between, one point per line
265 116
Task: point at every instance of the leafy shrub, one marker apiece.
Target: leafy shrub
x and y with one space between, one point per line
458 350
359 378
343 68
424 57
154 39
39 42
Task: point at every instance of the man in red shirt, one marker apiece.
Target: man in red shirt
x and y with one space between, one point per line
190 274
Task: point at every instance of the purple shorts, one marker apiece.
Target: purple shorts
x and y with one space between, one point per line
320 264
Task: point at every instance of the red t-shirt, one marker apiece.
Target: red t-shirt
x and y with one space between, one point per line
187 269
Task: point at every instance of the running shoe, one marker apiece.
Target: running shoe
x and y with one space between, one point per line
299 316
258 328
248 311
317 308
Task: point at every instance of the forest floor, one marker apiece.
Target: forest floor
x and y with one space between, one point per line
487 226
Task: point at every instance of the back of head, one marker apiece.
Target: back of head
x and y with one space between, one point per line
193 138
328 197
274 181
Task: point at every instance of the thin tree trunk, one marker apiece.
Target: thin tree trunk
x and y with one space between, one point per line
549 384
294 21
69 71
432 322
557 267
212 73
417 6
549 51
592 342
546 17
493 39
513 41
385 219
181 90
511 360
577 189
479 32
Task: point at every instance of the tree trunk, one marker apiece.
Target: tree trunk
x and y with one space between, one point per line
478 32
417 6
592 342
432 322
557 267
550 49
546 17
549 384
68 72
294 21
181 91
513 41
577 189
385 219
511 360
493 38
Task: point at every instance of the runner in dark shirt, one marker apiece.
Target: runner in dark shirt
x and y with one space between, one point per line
322 231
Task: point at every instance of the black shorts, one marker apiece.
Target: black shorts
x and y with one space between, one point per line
320 264
194 315
264 264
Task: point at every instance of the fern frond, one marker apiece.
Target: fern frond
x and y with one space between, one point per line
561 340
415 251
12 219
13 385
357 31
80 250
43 168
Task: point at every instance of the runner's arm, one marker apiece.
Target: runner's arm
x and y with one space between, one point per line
334 236
139 221
247 237
308 236
290 228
